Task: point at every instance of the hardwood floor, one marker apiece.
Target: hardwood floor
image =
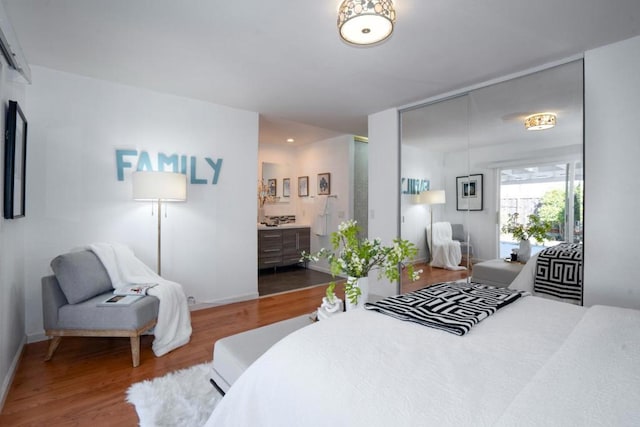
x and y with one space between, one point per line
86 381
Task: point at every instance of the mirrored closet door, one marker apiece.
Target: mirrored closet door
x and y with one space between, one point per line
469 162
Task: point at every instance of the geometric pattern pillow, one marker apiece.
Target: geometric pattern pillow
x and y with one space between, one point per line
81 275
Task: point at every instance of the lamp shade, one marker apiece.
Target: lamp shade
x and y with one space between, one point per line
433 197
166 186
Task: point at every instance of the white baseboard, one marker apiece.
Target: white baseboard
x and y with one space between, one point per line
8 379
223 301
40 336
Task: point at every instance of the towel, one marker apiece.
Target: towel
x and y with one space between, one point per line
320 223
173 328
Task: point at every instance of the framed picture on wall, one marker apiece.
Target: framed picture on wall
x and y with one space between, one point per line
469 192
273 189
15 162
324 184
286 187
303 186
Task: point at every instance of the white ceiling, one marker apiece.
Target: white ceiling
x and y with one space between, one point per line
495 114
284 58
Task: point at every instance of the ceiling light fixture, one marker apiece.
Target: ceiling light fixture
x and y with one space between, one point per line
366 22
540 121
290 140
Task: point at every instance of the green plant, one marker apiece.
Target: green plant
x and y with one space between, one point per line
356 257
535 228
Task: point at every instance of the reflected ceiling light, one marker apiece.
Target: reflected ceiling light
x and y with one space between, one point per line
540 121
366 22
290 140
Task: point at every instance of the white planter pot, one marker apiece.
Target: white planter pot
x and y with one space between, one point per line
524 253
363 284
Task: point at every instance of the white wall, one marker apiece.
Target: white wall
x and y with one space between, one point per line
76 124
384 188
612 150
419 163
12 250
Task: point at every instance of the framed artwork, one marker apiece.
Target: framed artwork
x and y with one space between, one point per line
469 192
273 189
324 184
15 162
303 186
286 187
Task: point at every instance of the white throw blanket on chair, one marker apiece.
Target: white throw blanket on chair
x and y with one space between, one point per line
445 252
173 328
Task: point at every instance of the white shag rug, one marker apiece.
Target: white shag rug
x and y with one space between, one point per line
180 398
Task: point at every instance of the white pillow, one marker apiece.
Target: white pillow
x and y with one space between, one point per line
524 280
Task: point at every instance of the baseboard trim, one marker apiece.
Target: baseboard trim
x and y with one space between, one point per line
8 379
40 336
223 301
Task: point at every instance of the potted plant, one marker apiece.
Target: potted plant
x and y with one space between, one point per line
354 257
534 228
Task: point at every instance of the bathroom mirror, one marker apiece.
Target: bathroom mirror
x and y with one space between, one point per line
278 178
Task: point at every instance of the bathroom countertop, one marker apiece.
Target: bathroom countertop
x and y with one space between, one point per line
289 225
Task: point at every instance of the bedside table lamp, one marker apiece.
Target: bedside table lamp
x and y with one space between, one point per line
160 187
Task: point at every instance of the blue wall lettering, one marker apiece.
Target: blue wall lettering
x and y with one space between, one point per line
121 163
414 186
125 159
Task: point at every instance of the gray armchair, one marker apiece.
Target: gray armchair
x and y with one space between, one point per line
459 234
71 298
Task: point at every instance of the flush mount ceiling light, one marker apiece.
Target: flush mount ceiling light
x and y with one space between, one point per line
540 121
366 22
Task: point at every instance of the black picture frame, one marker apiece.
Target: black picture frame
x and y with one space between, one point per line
470 192
15 162
324 184
272 185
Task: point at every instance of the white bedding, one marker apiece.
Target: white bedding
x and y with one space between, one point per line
527 360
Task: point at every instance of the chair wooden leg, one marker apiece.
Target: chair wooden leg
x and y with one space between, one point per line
53 345
135 350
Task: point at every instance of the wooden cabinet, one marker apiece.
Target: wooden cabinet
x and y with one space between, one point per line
282 246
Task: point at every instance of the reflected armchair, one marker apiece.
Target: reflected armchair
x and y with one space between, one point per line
450 245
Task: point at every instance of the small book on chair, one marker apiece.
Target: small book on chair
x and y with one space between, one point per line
120 300
138 289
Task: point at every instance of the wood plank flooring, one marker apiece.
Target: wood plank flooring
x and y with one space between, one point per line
86 381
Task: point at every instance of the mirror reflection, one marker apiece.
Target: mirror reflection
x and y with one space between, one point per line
277 179
495 174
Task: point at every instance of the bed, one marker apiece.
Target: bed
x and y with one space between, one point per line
534 362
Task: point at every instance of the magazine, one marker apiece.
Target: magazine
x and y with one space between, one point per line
119 300
138 289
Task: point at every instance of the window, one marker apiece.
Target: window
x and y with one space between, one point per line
551 191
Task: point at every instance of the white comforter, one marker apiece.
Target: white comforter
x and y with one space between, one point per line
363 368
173 328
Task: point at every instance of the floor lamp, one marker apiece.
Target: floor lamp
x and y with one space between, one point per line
432 197
160 187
